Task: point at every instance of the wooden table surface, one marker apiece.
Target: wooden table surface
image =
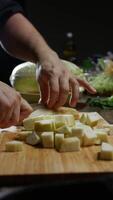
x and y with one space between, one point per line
33 164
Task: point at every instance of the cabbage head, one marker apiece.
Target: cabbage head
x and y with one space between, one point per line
23 76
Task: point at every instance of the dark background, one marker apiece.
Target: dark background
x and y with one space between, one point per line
91 23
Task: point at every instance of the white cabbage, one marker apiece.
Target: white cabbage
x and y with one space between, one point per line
77 71
23 77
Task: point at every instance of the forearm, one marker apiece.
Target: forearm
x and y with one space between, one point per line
20 38
23 41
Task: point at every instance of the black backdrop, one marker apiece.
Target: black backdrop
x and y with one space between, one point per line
91 23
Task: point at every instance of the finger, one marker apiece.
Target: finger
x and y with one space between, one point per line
75 92
15 114
3 106
54 91
5 122
63 93
3 113
25 107
86 85
9 112
25 110
22 117
12 106
6 125
44 88
23 114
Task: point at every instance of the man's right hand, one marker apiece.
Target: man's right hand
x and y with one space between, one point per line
11 106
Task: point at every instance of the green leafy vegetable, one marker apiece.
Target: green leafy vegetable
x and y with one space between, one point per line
102 82
101 102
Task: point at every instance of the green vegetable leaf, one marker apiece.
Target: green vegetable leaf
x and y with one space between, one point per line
101 102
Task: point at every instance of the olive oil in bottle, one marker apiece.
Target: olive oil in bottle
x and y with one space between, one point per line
69 51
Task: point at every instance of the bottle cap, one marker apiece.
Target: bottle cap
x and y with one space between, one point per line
69 34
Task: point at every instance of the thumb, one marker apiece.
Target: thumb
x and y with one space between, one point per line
25 108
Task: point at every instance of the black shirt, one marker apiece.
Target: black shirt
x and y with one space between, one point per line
8 8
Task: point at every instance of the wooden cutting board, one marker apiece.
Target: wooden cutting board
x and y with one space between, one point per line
41 162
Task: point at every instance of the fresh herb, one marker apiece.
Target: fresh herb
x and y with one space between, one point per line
101 102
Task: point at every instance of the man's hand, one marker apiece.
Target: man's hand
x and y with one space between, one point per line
25 110
12 107
56 81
